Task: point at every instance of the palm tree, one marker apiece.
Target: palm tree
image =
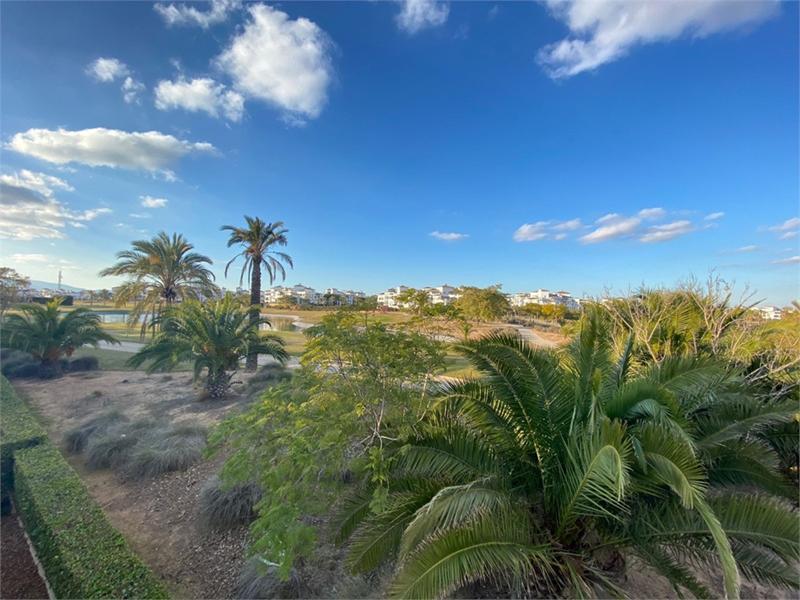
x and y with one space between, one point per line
214 336
257 240
544 474
162 271
49 334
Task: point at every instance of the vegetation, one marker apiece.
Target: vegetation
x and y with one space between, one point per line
136 449
482 304
548 471
161 271
214 336
225 507
83 556
258 239
48 334
11 286
358 381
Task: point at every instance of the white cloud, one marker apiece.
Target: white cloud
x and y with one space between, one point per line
750 248
204 95
611 226
603 31
181 14
788 235
100 147
570 225
107 69
792 260
29 210
788 224
652 213
668 231
715 216
281 61
131 90
150 202
448 236
531 232
417 15
37 182
30 258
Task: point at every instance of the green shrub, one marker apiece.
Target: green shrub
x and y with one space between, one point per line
225 507
164 450
18 429
110 450
82 554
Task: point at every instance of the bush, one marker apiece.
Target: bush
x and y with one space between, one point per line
224 507
261 582
77 438
163 450
18 429
82 554
84 363
13 359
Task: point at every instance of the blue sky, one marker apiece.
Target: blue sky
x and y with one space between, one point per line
581 146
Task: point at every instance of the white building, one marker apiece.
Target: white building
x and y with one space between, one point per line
442 294
770 313
389 297
347 297
543 296
297 294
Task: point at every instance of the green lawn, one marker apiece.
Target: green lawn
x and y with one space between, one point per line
114 360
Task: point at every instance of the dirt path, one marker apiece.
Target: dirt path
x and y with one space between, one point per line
19 576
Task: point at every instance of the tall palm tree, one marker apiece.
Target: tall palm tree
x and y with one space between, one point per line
214 336
49 334
162 271
257 240
548 471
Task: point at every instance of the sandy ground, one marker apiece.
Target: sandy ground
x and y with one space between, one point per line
157 516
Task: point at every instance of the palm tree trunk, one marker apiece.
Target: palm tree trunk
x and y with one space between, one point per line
251 363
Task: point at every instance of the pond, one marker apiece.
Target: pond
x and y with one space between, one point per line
280 324
112 317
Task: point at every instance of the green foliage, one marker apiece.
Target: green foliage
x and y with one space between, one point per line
214 336
82 554
482 304
161 271
258 239
302 439
11 286
48 334
550 312
77 438
551 463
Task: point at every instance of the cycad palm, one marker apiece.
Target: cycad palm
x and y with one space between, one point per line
49 334
257 240
162 271
214 336
550 468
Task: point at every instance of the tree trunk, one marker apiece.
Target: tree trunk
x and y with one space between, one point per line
251 363
217 384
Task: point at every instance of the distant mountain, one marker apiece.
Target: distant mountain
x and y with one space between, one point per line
41 285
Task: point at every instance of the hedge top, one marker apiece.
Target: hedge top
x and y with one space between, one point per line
18 427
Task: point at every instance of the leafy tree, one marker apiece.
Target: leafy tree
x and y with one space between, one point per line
258 240
161 271
214 336
11 286
482 304
417 300
551 312
49 334
360 384
548 471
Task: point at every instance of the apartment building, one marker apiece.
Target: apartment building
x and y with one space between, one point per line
543 296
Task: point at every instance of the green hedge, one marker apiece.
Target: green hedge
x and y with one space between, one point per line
82 554
18 429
